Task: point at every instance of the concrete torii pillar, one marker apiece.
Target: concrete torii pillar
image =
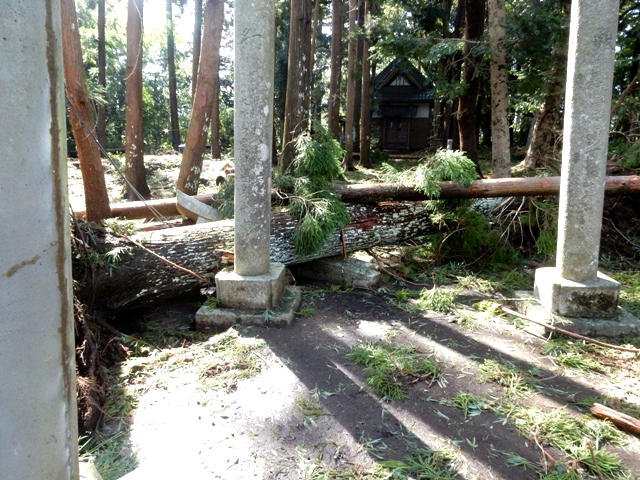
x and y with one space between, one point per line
255 283
574 287
38 424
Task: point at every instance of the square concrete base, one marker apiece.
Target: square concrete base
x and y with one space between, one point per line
256 292
623 323
210 319
592 299
339 271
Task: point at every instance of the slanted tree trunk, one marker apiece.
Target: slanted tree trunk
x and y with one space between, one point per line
333 114
171 66
544 133
296 110
197 43
195 142
474 26
141 279
499 90
81 116
101 122
215 110
134 142
365 117
351 88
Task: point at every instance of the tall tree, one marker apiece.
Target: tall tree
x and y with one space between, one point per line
296 118
333 115
499 90
101 123
215 110
365 117
544 134
134 170
352 53
197 42
474 11
195 142
171 66
357 107
81 116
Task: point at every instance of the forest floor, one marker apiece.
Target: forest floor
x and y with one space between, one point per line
400 381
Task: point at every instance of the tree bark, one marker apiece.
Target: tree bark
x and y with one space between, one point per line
296 116
621 420
336 69
365 117
499 90
351 88
81 116
195 142
171 66
474 26
101 122
215 110
197 43
383 192
141 279
544 133
134 148
357 107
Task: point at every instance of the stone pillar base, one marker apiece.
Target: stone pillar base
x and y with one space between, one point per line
592 299
256 292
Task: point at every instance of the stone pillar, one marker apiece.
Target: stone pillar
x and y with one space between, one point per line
38 424
574 287
255 283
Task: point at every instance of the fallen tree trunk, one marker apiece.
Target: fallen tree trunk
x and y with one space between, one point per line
141 279
499 187
374 193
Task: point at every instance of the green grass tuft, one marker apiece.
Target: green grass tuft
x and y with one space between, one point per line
391 369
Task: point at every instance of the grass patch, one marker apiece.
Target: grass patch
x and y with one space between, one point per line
570 354
629 292
231 358
516 382
110 454
310 411
581 439
391 369
470 404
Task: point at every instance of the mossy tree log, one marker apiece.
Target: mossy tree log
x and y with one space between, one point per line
141 279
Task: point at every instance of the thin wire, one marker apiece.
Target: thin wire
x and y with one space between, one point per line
153 210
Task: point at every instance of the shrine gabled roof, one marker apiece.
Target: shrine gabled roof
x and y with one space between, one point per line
418 90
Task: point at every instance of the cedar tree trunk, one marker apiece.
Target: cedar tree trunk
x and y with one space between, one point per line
191 166
351 88
197 42
171 65
101 123
544 134
296 110
499 90
365 117
215 110
81 116
134 142
474 26
333 114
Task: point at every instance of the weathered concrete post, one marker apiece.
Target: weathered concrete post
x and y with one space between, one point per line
38 424
574 287
255 283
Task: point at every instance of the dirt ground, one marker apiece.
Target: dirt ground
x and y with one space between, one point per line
307 413
181 407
